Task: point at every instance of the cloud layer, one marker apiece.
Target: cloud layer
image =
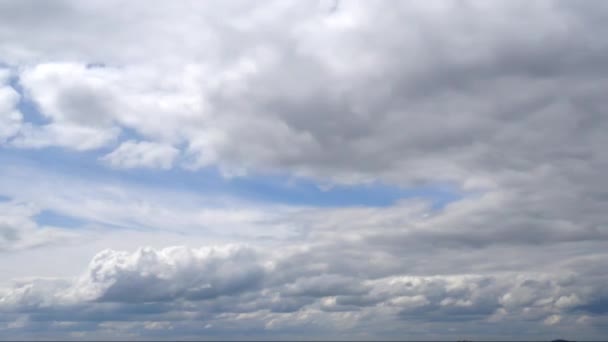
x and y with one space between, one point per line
502 102
208 290
427 92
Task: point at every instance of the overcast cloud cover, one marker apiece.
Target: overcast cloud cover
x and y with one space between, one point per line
303 170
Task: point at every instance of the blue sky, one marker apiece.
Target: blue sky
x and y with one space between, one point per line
274 188
260 188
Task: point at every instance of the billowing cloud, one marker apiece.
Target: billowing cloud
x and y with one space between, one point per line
169 274
222 286
465 104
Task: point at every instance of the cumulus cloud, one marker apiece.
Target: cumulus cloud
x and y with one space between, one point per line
155 276
323 270
465 104
225 286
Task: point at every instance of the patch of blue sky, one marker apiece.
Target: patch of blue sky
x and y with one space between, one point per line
128 133
309 192
52 218
268 188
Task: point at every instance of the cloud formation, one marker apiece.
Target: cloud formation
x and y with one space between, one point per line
502 102
214 288
10 117
467 102
131 154
19 230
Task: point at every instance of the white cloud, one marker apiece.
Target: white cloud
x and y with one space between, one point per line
70 136
149 275
132 154
409 301
421 104
553 319
19 230
10 117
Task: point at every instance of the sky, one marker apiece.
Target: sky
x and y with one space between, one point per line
303 170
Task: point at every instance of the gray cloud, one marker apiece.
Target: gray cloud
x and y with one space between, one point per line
162 286
457 92
503 101
171 274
